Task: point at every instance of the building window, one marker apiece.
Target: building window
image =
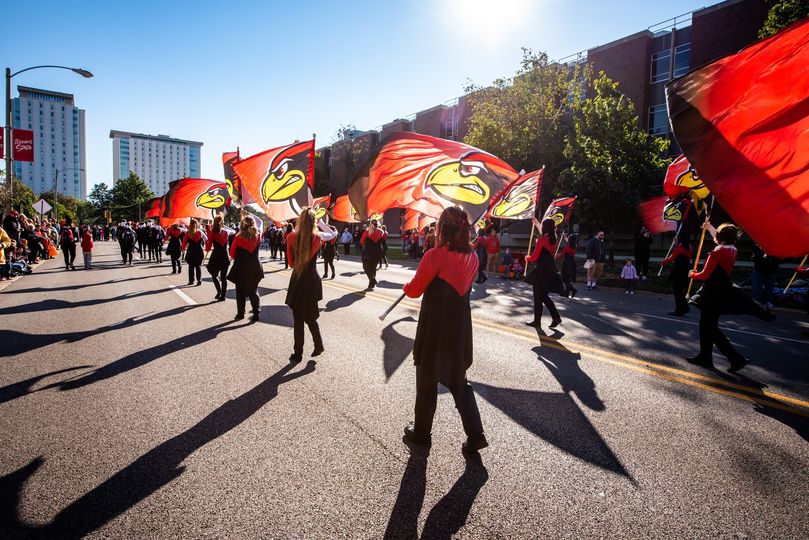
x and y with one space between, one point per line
682 59
658 120
661 65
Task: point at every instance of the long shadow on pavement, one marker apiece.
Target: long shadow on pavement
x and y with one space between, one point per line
448 515
51 304
397 347
71 287
23 388
346 300
142 477
566 369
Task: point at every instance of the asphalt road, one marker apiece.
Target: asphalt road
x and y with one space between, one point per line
133 406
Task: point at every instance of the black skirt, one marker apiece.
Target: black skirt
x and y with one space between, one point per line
175 246
444 334
305 290
719 294
545 277
219 261
194 254
246 271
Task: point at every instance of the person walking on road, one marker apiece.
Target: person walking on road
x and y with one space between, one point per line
193 241
87 248
246 272
218 262
329 252
719 296
174 249
643 250
384 244
442 350
596 253
68 238
568 257
346 239
371 242
126 239
480 245
156 237
680 261
305 288
544 278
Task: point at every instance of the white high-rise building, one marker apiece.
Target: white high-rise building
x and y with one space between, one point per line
59 145
157 160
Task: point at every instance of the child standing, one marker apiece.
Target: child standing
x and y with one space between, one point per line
87 248
629 275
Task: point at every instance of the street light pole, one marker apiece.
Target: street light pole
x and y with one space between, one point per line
10 119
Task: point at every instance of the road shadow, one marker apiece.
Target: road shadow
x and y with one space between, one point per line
70 287
448 515
23 388
385 284
566 369
52 304
145 475
15 343
792 420
277 315
352 274
556 418
397 347
141 358
346 300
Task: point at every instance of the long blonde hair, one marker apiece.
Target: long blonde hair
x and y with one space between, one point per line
302 246
193 226
217 223
247 228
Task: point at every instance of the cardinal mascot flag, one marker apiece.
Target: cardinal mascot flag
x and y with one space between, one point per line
653 213
321 206
519 201
280 180
559 210
237 193
154 208
743 122
344 211
195 197
428 174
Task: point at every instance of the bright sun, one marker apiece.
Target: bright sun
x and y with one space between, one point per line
490 19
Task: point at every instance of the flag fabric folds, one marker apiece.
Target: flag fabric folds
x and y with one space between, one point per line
321 206
195 197
279 180
237 193
559 210
653 213
428 174
743 122
154 208
681 178
343 210
520 198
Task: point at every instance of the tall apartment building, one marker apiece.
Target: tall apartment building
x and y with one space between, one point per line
59 141
156 159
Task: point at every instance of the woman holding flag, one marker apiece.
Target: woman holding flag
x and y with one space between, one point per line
545 279
194 254
443 347
246 272
218 262
305 289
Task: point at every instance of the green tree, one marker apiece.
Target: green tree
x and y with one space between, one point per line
524 120
100 196
782 14
611 160
23 197
128 196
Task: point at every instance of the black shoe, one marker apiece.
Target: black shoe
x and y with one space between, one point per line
555 323
699 360
255 316
217 297
679 313
238 317
534 324
326 276
221 298
294 358
474 444
318 351
737 364
419 440
573 294
199 283
191 282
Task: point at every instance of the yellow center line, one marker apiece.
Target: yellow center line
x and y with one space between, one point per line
655 369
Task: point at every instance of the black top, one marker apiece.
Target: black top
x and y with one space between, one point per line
246 271
305 290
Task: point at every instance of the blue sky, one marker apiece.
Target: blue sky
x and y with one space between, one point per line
261 74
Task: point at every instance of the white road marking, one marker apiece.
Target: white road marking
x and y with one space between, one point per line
188 300
680 321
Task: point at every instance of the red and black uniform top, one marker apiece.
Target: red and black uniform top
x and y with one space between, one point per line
305 289
217 239
372 244
316 243
545 277
247 271
219 260
193 243
718 293
544 243
444 335
680 259
721 258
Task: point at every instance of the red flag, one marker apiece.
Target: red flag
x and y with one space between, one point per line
743 122
195 197
232 179
681 178
426 221
411 220
168 222
280 180
344 211
519 200
652 211
428 174
559 210
321 206
22 145
154 208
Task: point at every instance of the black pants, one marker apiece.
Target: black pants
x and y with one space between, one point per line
642 265
328 263
220 282
69 251
158 252
369 266
149 250
542 297
126 254
346 249
241 299
314 329
140 248
567 282
384 259
273 250
710 335
194 270
283 255
680 287
176 264
427 398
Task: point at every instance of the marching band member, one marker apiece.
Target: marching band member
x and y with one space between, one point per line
218 262
192 244
246 272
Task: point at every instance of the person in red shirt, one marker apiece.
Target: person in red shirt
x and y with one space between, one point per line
194 254
218 262
545 279
371 242
480 245
719 296
443 347
246 272
305 288
87 248
492 252
680 259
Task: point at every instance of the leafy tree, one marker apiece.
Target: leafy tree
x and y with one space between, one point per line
611 159
322 181
23 197
782 14
100 196
349 151
524 119
128 196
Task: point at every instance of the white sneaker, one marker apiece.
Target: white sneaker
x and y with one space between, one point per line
626 292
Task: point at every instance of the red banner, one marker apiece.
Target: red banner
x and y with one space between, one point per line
195 197
2 140
652 212
743 121
23 148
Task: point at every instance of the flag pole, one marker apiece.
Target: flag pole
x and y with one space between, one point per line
530 243
699 249
671 247
794 274
393 305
